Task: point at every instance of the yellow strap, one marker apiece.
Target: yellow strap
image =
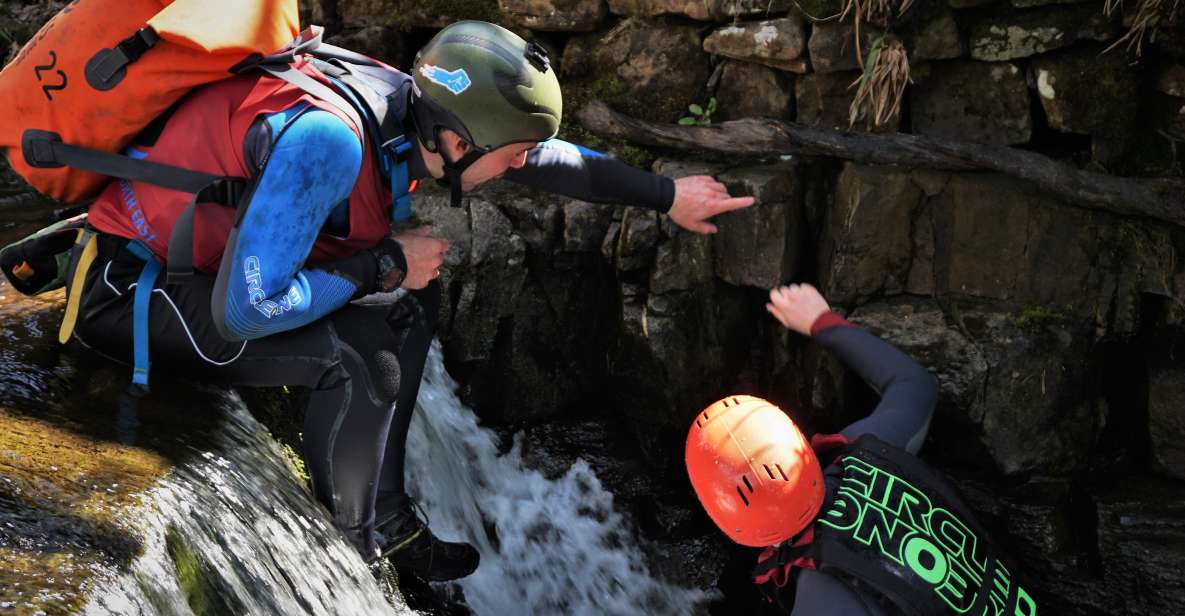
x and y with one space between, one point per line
90 250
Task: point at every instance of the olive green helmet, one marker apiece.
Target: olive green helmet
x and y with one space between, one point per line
487 84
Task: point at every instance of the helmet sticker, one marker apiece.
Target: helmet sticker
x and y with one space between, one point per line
456 81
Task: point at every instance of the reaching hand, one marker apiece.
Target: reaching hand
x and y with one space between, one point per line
424 254
700 197
797 306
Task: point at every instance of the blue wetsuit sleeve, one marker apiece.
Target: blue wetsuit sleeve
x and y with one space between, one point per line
908 391
263 285
575 171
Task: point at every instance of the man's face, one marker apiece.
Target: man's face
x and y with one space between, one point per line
495 164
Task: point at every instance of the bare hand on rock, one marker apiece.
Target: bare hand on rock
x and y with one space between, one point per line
424 254
700 197
797 306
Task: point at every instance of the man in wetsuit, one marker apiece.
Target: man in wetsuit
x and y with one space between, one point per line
874 531
270 301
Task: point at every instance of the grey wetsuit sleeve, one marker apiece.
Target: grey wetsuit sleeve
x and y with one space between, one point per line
908 391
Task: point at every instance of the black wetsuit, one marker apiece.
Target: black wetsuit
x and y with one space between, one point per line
902 418
363 363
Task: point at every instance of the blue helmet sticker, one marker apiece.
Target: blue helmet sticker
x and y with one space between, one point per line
455 81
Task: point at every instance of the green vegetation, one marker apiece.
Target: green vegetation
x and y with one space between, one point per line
1034 318
700 116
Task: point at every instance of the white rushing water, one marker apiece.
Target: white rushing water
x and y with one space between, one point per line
561 547
232 531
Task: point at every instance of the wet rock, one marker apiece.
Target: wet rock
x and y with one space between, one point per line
866 249
822 100
180 501
973 101
683 261
379 42
758 246
1172 81
488 284
1013 396
709 10
1045 529
1019 34
777 43
638 237
1166 399
1087 266
647 68
556 15
1088 93
751 91
536 217
1141 535
585 225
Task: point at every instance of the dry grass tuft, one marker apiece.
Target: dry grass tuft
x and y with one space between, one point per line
882 84
1150 15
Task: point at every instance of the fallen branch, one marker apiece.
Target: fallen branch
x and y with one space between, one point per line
1157 198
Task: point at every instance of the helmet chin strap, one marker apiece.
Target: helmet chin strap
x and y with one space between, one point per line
453 171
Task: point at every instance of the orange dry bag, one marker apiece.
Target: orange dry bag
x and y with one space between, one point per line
100 71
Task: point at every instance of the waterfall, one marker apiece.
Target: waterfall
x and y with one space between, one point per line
560 547
232 531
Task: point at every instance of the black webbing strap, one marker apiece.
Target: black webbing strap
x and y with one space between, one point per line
108 66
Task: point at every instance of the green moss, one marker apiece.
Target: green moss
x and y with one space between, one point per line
194 577
614 91
1035 318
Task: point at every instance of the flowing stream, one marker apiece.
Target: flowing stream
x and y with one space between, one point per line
186 505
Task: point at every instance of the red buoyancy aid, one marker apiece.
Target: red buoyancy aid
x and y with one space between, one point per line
206 133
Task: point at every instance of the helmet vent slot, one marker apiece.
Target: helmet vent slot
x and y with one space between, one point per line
742 495
735 402
747 484
782 472
706 416
699 422
768 471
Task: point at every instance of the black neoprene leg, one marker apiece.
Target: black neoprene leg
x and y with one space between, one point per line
415 316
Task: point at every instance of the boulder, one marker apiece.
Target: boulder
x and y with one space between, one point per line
1019 34
751 91
1088 93
709 10
973 101
637 237
556 15
866 248
951 234
1166 421
936 39
650 69
776 43
1010 399
759 245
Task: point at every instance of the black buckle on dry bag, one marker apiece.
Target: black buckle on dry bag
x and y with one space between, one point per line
37 146
108 67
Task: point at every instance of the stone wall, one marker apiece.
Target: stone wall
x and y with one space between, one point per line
1055 332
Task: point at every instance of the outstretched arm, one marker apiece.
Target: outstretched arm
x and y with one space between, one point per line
576 171
908 391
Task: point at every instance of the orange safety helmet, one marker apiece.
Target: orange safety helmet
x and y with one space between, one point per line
753 471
